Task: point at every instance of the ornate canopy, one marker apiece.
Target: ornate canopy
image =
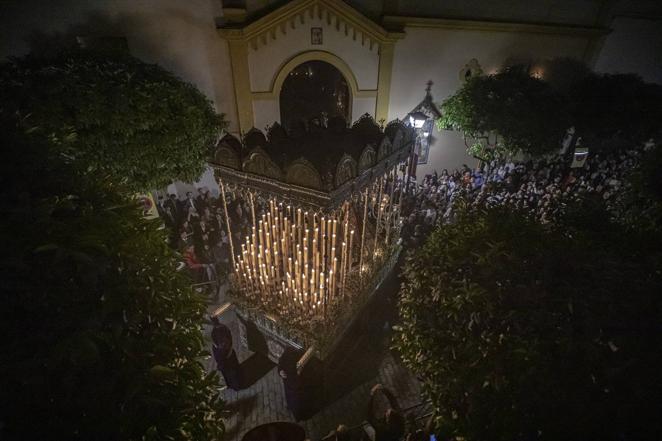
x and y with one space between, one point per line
318 166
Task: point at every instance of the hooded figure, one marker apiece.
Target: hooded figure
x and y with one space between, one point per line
292 382
225 356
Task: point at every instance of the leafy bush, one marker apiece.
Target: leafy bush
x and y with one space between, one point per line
130 121
509 112
102 337
616 110
523 332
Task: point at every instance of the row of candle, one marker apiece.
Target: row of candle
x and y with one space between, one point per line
297 257
302 261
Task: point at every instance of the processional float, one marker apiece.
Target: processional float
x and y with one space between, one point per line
314 222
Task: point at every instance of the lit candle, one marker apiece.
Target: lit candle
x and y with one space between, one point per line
343 256
335 279
365 216
351 241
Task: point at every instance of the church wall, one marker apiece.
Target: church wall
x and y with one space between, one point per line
267 60
265 112
361 106
439 55
180 36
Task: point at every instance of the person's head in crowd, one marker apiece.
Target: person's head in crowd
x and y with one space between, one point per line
189 195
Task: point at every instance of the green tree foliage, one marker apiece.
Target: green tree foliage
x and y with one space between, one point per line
508 112
639 205
564 73
524 332
132 121
101 336
616 110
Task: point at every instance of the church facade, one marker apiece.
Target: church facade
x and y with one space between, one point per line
262 61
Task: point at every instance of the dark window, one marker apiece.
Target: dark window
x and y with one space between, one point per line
313 90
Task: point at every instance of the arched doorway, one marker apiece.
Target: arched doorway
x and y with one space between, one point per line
311 90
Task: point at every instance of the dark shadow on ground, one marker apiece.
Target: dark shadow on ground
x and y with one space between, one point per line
253 368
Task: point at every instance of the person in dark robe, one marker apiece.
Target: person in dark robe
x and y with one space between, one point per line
295 390
225 355
172 210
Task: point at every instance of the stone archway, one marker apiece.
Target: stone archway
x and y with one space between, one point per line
313 90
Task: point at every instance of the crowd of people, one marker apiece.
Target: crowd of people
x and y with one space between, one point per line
543 187
197 230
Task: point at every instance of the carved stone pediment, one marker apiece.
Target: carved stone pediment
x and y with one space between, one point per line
304 174
346 170
258 162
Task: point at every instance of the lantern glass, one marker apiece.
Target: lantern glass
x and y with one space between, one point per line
417 120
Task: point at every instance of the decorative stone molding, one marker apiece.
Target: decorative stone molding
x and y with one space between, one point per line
328 57
336 13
